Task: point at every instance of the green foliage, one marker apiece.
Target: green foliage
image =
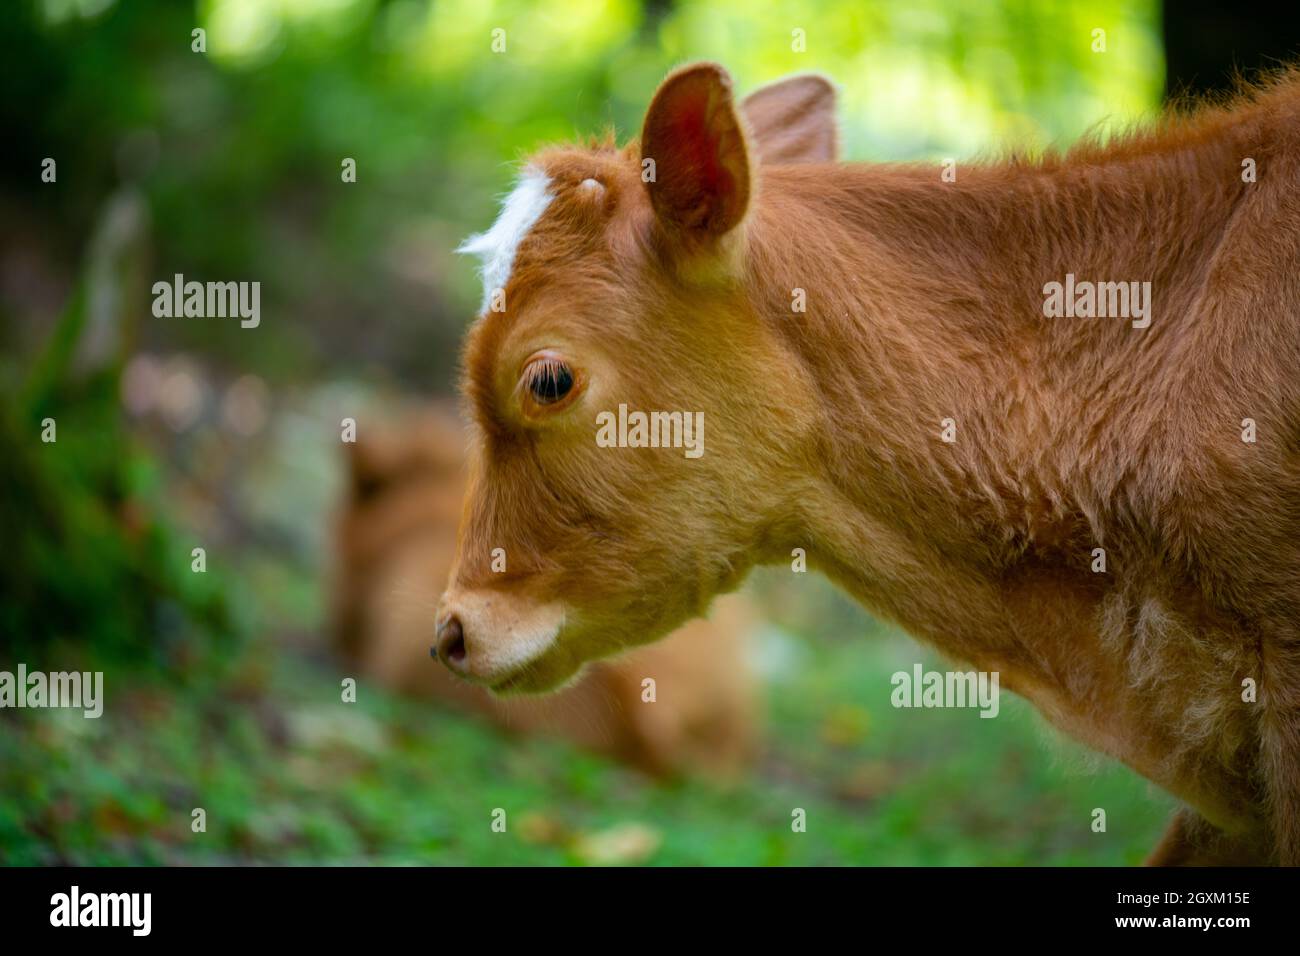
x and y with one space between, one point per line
239 149
287 773
90 563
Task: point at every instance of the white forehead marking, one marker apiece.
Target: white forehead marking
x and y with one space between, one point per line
519 213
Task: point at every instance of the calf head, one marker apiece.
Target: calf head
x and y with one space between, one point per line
618 277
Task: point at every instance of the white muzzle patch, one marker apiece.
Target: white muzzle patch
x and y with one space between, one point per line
519 213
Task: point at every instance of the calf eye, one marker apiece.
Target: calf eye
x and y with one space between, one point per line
549 379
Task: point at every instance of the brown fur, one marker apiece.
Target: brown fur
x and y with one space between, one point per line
396 541
924 303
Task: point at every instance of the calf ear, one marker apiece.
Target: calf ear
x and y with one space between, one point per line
793 121
694 159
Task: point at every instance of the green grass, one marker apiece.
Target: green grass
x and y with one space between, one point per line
288 773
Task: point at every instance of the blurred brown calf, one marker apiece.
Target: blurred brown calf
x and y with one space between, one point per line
396 541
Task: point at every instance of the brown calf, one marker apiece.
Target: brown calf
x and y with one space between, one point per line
396 541
1079 504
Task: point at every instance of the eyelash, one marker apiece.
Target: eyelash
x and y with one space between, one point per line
543 377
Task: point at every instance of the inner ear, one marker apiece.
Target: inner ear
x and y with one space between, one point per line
699 177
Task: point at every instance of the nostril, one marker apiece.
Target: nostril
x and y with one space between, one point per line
451 643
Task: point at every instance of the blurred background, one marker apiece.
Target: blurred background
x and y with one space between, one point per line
223 688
